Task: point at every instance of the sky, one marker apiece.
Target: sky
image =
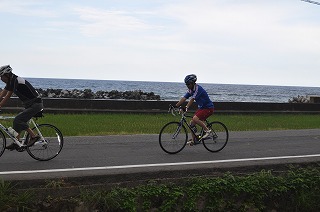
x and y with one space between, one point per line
268 42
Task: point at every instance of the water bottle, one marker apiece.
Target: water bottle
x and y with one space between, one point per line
194 128
12 132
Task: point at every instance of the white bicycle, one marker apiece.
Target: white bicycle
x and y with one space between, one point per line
46 148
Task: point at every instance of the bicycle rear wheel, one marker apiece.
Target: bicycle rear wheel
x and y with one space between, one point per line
173 137
49 145
2 143
219 137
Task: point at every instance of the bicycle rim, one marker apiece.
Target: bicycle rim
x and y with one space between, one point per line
218 139
173 137
47 147
2 143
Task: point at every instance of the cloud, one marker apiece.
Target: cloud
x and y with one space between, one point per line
98 22
34 8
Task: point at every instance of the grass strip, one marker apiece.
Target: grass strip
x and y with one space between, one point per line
120 124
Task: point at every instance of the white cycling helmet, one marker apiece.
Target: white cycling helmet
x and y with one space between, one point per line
5 70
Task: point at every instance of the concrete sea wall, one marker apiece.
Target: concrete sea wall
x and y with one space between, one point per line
67 105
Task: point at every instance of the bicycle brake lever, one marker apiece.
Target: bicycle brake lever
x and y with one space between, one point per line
172 112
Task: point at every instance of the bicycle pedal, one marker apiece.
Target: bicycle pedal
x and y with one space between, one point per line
190 143
12 147
197 142
21 149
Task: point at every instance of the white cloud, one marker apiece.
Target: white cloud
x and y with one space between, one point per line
98 22
35 8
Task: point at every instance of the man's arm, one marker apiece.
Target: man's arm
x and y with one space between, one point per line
190 103
182 100
5 95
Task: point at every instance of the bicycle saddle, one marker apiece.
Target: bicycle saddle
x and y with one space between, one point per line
39 114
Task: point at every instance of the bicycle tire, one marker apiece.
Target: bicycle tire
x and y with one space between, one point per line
173 137
219 137
50 147
2 143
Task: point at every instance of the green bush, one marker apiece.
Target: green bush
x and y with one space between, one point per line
297 190
11 200
294 190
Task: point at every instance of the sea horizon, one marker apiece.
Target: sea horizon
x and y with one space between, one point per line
175 90
245 84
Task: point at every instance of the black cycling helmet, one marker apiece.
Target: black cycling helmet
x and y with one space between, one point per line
5 70
190 78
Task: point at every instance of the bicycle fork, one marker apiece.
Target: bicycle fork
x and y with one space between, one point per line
176 133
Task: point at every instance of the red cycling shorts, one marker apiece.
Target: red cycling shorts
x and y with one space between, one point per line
203 114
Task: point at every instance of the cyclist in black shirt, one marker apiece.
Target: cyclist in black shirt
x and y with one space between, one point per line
28 95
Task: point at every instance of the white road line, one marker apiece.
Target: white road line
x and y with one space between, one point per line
157 165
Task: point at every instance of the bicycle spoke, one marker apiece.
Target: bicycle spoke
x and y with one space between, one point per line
173 137
218 139
2 143
49 145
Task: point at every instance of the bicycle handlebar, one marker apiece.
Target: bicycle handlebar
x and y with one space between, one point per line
173 110
6 117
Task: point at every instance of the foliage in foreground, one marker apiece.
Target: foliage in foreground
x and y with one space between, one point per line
294 190
8 199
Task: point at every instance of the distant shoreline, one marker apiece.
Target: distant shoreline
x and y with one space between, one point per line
71 105
89 94
174 90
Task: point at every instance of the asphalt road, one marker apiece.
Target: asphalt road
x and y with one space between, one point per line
142 155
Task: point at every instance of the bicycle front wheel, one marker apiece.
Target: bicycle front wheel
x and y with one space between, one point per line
173 137
219 137
49 145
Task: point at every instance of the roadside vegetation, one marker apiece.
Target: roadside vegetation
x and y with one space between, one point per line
117 124
296 189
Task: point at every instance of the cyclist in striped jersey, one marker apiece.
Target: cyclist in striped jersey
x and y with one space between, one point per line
205 105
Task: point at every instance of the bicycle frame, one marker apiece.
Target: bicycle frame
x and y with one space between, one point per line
21 142
183 121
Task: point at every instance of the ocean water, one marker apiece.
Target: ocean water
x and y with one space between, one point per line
174 90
